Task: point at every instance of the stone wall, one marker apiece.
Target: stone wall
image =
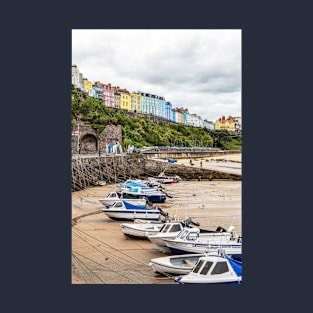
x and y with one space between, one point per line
88 171
188 154
87 141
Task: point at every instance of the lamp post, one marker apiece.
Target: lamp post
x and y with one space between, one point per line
99 145
78 137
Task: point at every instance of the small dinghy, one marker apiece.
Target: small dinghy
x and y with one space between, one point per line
175 264
141 230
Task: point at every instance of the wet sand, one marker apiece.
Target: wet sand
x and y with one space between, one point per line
102 254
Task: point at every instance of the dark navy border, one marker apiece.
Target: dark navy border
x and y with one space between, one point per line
35 152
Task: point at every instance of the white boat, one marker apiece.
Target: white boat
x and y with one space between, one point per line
114 196
146 229
173 230
190 241
165 179
213 269
170 230
141 230
175 264
122 210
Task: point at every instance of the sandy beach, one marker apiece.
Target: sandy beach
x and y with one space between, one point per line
102 254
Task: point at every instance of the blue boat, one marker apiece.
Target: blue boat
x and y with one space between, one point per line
153 195
171 160
130 183
122 210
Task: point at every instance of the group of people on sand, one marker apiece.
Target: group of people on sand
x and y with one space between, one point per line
191 163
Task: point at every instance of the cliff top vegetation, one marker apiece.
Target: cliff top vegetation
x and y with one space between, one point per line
142 132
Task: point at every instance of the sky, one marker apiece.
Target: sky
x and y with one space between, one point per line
197 69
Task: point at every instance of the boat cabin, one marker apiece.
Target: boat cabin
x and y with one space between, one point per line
214 269
113 195
219 266
170 228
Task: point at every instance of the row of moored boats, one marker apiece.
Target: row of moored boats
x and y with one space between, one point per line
196 255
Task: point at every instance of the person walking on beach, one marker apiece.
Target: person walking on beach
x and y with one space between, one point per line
201 163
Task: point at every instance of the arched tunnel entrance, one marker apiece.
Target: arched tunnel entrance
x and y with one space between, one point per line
89 144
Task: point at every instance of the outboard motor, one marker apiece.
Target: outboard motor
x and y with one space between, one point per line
195 223
189 222
148 201
161 211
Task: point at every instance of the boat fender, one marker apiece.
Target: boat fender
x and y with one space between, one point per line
231 229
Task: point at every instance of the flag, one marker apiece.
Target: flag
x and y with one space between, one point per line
75 133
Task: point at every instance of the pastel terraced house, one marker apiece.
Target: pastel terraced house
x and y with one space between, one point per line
87 87
135 102
225 123
146 103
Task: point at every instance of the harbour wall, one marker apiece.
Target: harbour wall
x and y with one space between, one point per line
191 154
105 169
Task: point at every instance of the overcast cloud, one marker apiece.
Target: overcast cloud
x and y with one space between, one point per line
195 69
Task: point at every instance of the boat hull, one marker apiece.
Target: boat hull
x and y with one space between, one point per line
153 215
153 198
138 202
209 281
159 240
183 248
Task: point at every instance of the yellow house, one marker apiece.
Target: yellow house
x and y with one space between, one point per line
135 102
124 99
225 123
230 125
87 86
217 125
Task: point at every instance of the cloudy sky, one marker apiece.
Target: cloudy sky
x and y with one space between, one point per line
195 69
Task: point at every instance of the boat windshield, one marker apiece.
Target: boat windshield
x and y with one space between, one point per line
220 268
182 234
206 267
192 236
202 267
175 228
165 228
198 266
118 205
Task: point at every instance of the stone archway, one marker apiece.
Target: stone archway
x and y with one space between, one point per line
88 144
